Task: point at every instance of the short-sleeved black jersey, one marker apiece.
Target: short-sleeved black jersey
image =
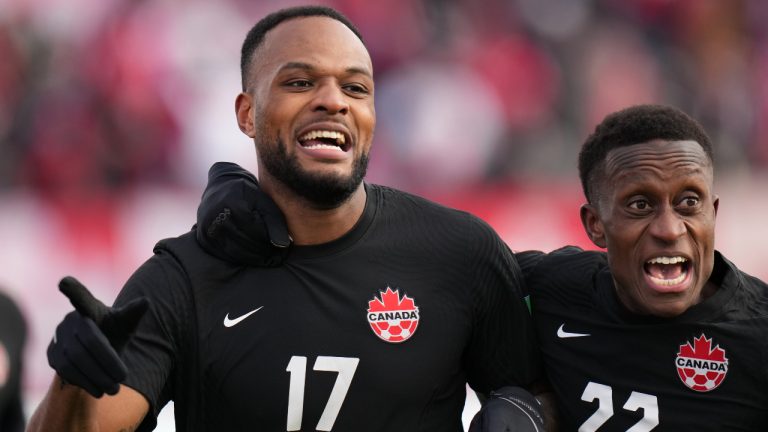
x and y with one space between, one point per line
13 332
379 330
704 370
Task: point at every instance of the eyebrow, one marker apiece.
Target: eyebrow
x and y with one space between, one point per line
308 67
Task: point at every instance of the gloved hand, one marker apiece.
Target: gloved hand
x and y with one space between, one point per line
238 222
84 350
509 409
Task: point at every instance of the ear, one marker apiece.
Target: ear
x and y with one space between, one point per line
716 203
592 225
244 113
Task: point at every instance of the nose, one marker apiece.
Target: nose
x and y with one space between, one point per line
668 225
330 98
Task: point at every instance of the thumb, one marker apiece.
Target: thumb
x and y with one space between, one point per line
120 323
82 299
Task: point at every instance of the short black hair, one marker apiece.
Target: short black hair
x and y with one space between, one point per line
635 125
255 36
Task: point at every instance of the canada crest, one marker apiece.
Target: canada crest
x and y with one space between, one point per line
701 367
393 318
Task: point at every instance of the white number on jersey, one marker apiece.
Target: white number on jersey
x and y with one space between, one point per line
604 395
297 367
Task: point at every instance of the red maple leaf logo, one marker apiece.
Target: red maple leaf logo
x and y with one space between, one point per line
392 318
702 349
390 300
701 367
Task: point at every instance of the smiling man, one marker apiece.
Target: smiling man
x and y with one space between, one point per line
660 332
370 309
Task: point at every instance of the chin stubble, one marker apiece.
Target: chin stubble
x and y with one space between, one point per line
324 191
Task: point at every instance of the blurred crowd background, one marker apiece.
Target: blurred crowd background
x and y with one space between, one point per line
111 112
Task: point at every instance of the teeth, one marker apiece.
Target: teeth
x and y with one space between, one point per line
323 146
338 136
667 260
669 282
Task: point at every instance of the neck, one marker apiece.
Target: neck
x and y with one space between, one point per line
309 225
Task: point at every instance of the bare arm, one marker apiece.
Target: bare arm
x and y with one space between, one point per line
69 408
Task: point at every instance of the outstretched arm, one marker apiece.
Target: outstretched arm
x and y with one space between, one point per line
84 353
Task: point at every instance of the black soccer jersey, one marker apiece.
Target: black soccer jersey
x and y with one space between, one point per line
376 331
704 370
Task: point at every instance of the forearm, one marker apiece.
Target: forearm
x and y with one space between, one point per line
68 408
65 408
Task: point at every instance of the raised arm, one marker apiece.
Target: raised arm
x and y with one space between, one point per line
84 353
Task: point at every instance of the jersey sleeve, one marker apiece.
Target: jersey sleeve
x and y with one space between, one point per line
153 354
528 260
503 349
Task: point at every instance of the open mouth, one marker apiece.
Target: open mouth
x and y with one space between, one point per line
667 271
324 139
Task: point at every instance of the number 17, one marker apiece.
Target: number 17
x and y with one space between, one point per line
297 367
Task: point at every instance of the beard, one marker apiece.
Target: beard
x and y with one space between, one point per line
324 191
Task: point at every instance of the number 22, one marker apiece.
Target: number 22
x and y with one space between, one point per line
297 367
604 396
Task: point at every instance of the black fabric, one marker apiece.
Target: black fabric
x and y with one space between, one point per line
85 347
598 356
509 409
306 320
13 336
163 354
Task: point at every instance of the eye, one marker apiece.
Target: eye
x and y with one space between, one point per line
689 202
356 89
299 83
640 204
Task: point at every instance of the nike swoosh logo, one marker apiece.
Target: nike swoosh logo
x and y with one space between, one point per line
562 334
233 322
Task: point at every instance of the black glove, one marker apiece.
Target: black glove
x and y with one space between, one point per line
238 222
84 350
509 409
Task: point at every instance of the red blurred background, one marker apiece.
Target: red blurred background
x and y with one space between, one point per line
111 112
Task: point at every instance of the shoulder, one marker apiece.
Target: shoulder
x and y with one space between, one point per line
427 214
185 254
565 272
460 236
165 276
566 261
752 291
747 280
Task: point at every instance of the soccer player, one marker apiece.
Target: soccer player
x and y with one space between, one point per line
660 332
371 311
13 334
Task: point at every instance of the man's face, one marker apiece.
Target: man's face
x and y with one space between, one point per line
309 108
655 215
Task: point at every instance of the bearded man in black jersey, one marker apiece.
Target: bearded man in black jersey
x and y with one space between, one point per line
370 310
661 332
